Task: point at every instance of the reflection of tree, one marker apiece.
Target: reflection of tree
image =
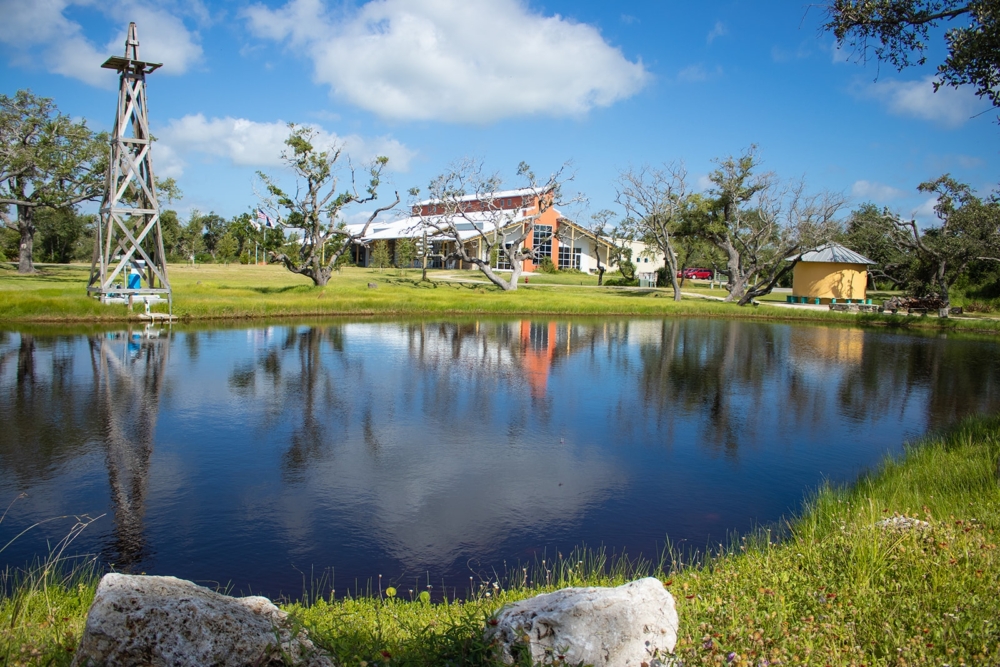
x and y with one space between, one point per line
44 416
734 374
307 389
717 369
128 378
313 382
894 377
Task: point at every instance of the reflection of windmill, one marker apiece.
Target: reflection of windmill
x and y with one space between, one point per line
128 376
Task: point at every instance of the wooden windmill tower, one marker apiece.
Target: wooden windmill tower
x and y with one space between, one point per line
129 262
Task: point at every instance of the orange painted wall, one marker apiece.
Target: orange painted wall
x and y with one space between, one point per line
549 217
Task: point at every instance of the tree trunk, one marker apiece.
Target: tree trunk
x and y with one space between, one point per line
943 284
26 226
671 265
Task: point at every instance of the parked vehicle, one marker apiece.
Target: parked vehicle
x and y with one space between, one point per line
700 274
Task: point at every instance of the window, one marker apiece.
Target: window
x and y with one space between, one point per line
569 258
502 263
542 242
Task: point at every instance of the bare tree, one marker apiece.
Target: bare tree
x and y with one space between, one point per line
654 199
467 211
316 205
616 238
760 224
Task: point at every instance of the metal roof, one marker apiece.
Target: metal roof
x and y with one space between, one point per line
489 196
834 253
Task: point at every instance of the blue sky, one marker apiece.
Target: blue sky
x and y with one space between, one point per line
429 82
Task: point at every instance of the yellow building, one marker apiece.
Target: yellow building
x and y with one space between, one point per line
830 274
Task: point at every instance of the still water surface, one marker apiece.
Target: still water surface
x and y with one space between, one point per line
432 452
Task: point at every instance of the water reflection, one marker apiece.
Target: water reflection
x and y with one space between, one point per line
414 448
128 373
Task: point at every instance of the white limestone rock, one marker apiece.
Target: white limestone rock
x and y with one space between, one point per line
140 620
902 523
633 625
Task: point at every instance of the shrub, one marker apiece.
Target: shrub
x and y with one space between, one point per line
978 307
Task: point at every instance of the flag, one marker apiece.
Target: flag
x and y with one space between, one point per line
267 220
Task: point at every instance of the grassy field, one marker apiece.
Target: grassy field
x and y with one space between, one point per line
57 295
837 588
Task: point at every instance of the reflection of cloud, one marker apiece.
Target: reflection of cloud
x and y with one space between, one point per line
407 496
462 483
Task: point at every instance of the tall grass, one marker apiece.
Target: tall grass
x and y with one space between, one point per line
43 606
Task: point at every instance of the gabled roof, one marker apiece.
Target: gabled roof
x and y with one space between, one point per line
523 192
834 253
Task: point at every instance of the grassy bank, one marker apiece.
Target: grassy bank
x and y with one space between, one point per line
57 295
837 589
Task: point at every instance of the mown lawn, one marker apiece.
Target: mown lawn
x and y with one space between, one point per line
57 295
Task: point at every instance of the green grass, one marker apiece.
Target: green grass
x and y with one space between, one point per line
835 589
57 295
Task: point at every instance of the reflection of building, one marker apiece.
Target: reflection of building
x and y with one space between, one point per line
538 347
826 344
565 243
830 272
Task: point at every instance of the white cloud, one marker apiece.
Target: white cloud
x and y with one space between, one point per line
39 31
454 60
166 162
704 183
878 192
838 54
718 30
163 38
780 55
697 73
925 213
942 163
949 106
249 143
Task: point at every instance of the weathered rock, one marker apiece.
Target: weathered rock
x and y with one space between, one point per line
139 620
628 626
899 522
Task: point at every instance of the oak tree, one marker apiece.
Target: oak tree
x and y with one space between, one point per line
319 206
899 32
969 231
47 160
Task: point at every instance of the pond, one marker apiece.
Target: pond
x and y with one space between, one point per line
431 452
